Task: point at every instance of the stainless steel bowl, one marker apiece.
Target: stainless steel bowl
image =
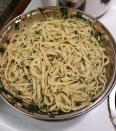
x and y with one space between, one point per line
110 47
76 4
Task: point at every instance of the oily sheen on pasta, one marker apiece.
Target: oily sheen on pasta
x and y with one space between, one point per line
57 64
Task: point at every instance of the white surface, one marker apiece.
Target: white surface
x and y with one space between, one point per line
96 10
95 120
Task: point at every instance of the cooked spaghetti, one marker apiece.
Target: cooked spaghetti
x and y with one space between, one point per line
55 64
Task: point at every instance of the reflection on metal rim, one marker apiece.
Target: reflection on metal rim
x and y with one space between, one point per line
112 106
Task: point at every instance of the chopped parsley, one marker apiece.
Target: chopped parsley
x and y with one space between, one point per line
57 91
90 95
80 81
17 79
24 46
41 10
51 64
22 63
7 41
96 91
15 100
29 81
78 104
36 32
42 107
64 11
58 53
65 38
91 49
2 50
33 102
16 26
42 101
79 15
84 89
63 75
31 109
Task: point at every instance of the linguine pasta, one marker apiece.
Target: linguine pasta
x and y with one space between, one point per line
55 64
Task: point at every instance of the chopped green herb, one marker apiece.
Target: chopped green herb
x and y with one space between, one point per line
31 109
90 95
58 53
29 81
64 11
41 10
79 15
91 49
7 41
16 26
84 89
42 107
24 46
25 16
92 32
40 83
71 95
2 50
33 102
78 104
57 91
17 79
36 32
15 100
51 64
62 26
22 63
63 75
12 24
80 81
31 40
96 91
42 101
51 115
